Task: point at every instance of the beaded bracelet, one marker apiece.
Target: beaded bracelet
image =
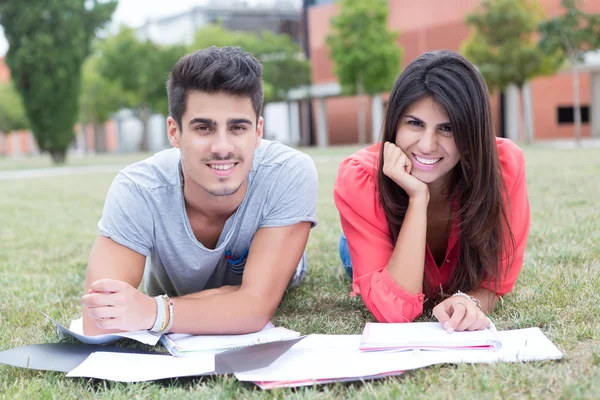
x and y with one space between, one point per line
466 296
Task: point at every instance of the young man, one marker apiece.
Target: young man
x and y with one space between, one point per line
219 223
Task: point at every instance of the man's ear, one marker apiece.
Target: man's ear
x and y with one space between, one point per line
259 131
173 132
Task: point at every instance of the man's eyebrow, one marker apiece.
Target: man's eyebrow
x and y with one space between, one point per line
206 121
233 121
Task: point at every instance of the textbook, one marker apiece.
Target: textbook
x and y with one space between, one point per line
425 336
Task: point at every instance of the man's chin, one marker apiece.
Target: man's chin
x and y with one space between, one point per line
223 190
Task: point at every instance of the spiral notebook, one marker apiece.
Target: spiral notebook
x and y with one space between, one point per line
425 336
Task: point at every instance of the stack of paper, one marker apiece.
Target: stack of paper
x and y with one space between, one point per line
425 336
278 357
127 367
328 358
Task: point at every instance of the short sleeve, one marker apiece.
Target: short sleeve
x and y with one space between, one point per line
126 218
370 245
292 197
518 215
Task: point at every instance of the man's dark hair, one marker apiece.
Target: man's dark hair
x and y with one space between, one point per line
228 70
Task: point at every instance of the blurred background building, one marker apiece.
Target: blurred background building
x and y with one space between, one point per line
433 24
319 114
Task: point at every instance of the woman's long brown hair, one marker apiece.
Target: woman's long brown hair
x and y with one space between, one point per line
475 184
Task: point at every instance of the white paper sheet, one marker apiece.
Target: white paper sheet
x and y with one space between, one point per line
125 367
76 330
424 335
317 359
181 344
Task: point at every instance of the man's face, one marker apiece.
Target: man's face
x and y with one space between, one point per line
218 137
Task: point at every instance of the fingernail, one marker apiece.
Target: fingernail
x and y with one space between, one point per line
450 329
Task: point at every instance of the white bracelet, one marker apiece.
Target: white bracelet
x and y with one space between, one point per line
160 314
466 296
170 302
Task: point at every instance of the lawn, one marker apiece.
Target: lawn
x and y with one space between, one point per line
48 226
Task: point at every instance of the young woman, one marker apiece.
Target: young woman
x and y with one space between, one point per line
437 214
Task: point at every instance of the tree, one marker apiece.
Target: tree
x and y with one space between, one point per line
99 99
365 54
502 45
141 69
12 114
284 65
569 37
49 41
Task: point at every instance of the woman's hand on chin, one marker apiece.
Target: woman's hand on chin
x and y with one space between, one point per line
397 166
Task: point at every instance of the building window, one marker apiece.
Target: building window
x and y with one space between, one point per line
566 115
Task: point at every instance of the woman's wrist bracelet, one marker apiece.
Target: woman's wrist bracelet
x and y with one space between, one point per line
467 296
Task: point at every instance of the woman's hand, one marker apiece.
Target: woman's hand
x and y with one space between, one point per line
397 166
458 313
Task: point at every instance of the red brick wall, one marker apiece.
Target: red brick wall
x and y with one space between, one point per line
433 24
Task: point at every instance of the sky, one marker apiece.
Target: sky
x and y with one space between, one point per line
136 12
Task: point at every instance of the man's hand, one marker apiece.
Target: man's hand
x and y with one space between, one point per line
458 313
114 304
397 166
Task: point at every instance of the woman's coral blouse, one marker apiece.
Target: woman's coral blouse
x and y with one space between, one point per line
370 244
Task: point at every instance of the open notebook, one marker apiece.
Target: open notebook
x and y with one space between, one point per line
182 345
179 344
425 336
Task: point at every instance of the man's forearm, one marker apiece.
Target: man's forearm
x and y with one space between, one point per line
230 312
210 292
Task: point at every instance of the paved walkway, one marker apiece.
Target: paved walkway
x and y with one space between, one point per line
57 171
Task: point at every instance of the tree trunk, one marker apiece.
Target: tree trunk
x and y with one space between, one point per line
362 129
144 116
58 156
576 104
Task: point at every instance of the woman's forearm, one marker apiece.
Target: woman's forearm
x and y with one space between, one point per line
407 262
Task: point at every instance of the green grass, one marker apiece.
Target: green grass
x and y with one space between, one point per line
47 227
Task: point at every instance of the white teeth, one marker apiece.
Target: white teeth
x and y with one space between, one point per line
427 161
222 167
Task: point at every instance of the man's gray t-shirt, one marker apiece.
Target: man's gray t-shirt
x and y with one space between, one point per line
145 212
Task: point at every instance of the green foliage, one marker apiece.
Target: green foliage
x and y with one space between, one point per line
49 41
362 48
100 97
284 66
140 69
502 43
571 34
12 113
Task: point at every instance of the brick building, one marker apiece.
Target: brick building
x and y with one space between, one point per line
434 24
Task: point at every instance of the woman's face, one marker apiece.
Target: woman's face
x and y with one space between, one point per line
425 135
